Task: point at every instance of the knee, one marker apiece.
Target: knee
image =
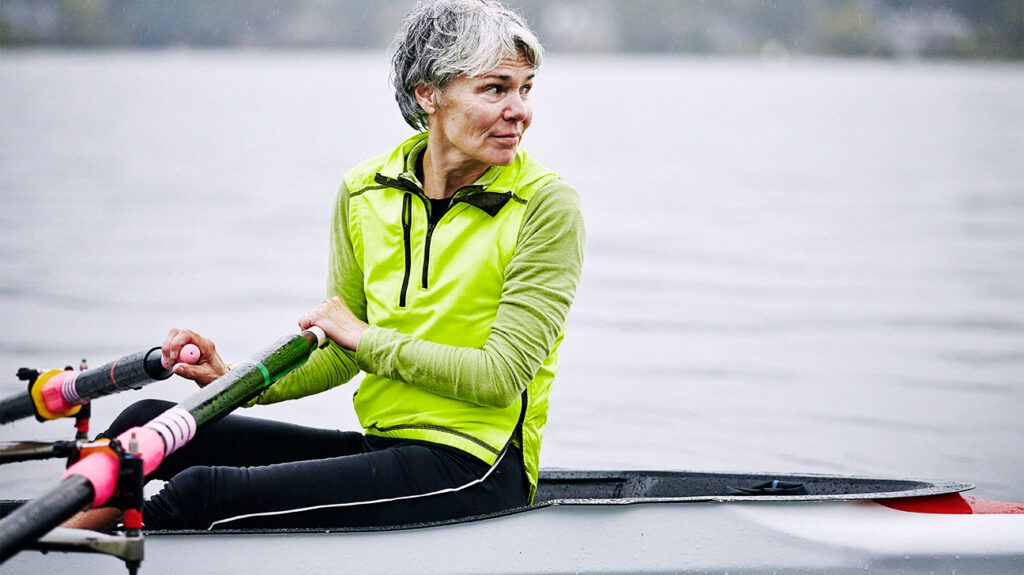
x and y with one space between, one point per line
136 414
180 504
191 484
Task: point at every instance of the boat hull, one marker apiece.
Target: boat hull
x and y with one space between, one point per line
658 537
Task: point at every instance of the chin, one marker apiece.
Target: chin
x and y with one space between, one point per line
502 157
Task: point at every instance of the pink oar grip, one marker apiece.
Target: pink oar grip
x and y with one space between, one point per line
101 470
149 445
189 354
53 392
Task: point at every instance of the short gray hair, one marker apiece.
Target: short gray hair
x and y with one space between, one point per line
442 39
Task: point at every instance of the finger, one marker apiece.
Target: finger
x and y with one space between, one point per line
166 345
177 341
312 316
206 346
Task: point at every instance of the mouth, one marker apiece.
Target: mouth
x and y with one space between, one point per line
507 139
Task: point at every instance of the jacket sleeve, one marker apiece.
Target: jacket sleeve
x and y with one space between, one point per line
539 287
331 366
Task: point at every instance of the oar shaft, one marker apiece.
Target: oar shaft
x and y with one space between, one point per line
67 389
130 372
178 425
37 517
16 407
247 380
13 452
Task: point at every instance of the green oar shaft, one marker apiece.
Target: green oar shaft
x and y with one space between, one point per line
247 380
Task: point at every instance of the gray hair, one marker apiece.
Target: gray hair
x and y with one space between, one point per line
443 39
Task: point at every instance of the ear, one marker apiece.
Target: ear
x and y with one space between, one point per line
425 97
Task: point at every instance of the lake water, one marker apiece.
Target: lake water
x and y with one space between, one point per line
806 266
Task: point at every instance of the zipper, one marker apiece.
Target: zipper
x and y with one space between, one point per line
426 247
411 188
456 198
426 255
429 427
407 235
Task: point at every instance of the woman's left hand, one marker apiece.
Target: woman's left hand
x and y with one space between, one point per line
337 321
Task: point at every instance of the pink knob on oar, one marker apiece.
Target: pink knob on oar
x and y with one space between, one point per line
189 354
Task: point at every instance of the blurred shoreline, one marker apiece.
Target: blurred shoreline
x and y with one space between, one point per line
959 30
332 51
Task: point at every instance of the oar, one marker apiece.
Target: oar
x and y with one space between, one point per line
93 480
15 451
58 393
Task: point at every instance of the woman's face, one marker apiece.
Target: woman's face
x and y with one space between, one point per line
482 119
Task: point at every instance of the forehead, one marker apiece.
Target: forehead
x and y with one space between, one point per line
512 66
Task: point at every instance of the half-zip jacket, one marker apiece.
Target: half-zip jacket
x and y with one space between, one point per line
453 357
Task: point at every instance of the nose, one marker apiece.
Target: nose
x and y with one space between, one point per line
517 109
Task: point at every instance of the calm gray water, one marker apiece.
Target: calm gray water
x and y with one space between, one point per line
814 266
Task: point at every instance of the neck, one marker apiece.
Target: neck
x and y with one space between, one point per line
447 170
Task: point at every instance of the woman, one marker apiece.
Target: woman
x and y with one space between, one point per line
454 260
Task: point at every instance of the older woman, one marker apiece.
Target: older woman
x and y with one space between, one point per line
454 260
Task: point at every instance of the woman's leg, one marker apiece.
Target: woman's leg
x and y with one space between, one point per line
239 441
234 440
394 482
245 472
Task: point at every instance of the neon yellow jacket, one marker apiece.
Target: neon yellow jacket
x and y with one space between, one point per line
465 316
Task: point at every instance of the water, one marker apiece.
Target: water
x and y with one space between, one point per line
813 266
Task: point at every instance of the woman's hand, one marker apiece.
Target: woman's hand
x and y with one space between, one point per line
209 367
337 321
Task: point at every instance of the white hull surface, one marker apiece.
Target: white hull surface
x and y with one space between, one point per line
697 534
755 537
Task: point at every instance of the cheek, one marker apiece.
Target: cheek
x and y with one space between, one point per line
472 121
470 129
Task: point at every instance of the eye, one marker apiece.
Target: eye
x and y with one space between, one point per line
494 89
525 90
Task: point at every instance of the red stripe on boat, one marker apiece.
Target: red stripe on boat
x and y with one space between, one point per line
952 504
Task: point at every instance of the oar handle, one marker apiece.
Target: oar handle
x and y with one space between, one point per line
57 393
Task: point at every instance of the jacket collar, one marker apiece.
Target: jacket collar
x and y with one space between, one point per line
401 165
490 192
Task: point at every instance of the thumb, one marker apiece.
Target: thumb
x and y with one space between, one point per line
188 371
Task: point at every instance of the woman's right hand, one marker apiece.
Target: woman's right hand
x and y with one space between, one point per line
209 367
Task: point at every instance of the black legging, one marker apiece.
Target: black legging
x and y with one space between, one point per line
248 472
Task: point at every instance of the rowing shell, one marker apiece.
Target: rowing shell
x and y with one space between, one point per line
636 522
